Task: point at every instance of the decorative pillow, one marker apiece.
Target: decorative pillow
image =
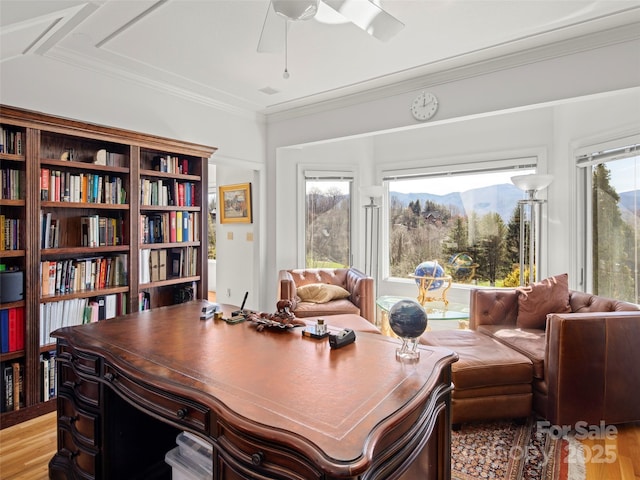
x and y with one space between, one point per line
535 301
321 292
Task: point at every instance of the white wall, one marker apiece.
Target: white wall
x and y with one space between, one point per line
248 150
518 109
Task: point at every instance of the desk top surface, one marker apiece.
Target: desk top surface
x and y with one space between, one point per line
274 379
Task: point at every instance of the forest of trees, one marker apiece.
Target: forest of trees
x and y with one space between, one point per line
432 231
327 229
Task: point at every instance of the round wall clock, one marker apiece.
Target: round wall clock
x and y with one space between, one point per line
424 106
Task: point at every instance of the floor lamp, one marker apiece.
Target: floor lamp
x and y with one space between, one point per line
530 208
372 230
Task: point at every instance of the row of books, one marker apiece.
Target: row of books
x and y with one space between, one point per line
48 375
12 386
110 159
160 264
170 227
10 233
11 141
11 184
12 326
78 311
62 186
98 231
71 275
167 193
169 164
95 230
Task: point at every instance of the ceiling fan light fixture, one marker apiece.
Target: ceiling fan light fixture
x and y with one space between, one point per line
329 16
296 9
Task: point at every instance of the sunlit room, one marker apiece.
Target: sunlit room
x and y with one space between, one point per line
320 239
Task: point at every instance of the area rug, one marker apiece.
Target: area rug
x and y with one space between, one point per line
513 451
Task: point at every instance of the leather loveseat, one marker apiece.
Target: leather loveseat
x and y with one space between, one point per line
353 295
580 353
585 361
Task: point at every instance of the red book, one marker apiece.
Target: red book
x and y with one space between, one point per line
180 195
172 227
20 328
44 184
13 330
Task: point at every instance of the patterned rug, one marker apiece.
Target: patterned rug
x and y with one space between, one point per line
511 451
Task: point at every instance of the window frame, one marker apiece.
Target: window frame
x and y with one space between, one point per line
481 163
585 158
308 172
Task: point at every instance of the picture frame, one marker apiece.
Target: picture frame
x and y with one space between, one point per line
234 203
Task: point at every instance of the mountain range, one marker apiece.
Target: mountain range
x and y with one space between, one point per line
497 198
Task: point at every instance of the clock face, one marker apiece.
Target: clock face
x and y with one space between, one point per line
424 106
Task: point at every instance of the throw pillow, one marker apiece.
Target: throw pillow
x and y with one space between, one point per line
321 292
535 301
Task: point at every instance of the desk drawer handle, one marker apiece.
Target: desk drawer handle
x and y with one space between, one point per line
181 413
257 458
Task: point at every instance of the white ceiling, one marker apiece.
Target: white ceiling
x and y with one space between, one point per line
206 49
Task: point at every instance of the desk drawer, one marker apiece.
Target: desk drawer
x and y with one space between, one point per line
82 460
85 390
247 454
178 410
83 424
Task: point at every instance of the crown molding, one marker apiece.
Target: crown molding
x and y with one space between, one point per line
452 69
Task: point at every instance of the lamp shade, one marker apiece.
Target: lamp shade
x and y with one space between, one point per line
534 181
372 191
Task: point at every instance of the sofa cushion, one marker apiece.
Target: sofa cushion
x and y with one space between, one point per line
528 341
321 292
535 301
334 307
483 361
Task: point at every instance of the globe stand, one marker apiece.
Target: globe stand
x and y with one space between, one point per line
408 352
408 320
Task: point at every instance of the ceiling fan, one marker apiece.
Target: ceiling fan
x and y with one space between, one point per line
364 13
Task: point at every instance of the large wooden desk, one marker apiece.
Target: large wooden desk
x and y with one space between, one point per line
274 405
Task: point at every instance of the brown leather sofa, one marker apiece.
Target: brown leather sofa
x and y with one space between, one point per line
582 366
360 300
585 362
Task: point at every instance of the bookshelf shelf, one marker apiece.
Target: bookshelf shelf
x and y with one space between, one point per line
84 158
176 176
5 202
85 205
11 253
169 281
7 305
83 294
155 246
12 157
83 166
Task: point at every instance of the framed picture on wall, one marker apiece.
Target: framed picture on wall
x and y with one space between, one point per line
235 203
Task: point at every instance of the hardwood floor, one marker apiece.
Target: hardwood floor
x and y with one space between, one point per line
26 448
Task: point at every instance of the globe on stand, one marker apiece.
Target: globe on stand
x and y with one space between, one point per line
408 320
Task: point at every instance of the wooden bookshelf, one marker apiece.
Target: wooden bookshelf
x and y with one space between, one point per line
100 170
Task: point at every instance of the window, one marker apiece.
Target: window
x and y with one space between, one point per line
467 220
612 197
327 221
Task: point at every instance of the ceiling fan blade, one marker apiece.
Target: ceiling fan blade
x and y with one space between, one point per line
368 16
272 36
